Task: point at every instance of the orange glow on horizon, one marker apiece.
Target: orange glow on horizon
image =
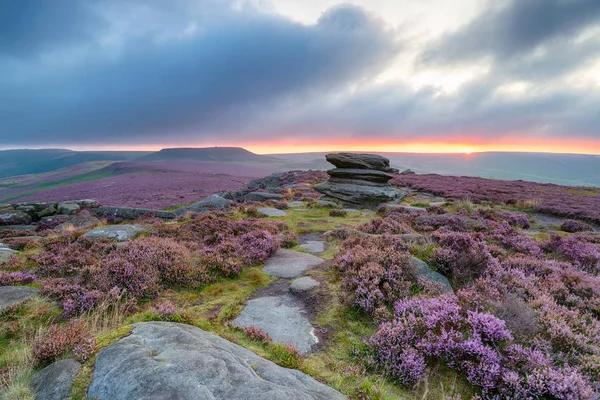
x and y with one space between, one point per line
466 147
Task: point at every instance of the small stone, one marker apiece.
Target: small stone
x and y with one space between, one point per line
326 203
303 284
68 208
263 196
295 204
271 212
118 232
289 263
425 271
54 382
414 238
214 202
14 294
313 246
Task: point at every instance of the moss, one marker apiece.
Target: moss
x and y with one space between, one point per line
82 380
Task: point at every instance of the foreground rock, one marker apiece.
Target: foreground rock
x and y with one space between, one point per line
163 360
303 284
313 246
54 382
263 196
271 212
6 252
360 179
117 232
133 213
14 294
15 217
282 318
290 264
79 223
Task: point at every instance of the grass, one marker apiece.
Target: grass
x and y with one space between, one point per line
319 221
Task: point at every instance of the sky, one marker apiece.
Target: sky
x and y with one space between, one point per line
278 76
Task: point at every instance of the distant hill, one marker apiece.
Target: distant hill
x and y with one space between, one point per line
23 162
223 154
564 169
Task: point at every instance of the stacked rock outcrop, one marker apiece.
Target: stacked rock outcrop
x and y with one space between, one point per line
361 179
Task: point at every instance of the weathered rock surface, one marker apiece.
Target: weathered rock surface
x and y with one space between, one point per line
295 204
117 232
15 217
18 227
313 246
6 252
213 202
68 208
360 179
360 194
79 223
263 196
271 212
56 219
415 238
359 161
345 174
327 203
424 271
163 360
290 264
54 382
282 318
14 294
407 172
134 213
303 284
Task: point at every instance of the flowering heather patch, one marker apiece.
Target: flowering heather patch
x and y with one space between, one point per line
288 239
299 177
85 350
393 223
16 278
58 340
374 271
580 202
576 250
573 226
255 333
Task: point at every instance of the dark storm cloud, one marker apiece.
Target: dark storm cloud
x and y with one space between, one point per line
215 80
515 30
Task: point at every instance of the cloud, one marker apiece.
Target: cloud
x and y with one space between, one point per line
216 79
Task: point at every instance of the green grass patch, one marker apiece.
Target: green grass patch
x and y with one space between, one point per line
317 220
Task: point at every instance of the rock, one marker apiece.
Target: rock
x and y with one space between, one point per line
282 318
18 227
262 196
423 270
87 203
344 174
15 217
295 204
326 203
437 203
407 172
272 181
133 213
51 210
407 209
415 238
304 284
68 208
444 219
289 264
213 202
360 194
118 232
313 246
271 212
54 382
358 161
164 360
14 294
351 210
60 219
78 223
6 252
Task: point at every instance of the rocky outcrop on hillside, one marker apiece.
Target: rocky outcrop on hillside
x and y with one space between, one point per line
164 360
360 179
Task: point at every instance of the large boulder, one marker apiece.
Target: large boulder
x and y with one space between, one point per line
78 223
360 194
213 202
359 161
68 208
133 213
10 295
54 382
120 233
352 174
14 217
164 360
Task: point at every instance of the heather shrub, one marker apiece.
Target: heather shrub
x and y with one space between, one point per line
16 278
281 205
393 223
573 226
288 239
58 340
375 272
256 246
255 333
166 311
286 355
85 350
575 250
460 256
338 213
436 210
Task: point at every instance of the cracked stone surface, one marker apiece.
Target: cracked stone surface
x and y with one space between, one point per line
289 263
118 232
282 318
314 246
